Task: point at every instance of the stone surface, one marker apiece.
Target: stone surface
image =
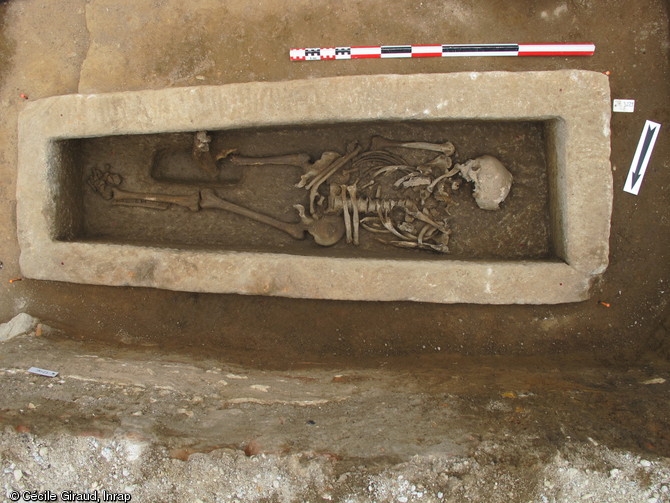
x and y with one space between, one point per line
20 324
576 102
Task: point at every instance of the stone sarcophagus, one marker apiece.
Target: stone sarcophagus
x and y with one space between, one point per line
489 188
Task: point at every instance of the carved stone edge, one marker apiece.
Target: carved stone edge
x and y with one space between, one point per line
576 103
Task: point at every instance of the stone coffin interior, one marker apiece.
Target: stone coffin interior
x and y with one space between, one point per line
161 163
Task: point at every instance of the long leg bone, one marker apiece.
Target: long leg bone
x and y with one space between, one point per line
379 142
209 200
326 231
157 201
150 205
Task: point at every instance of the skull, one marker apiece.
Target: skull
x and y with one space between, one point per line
492 181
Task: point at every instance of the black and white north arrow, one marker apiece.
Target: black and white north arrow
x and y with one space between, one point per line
641 158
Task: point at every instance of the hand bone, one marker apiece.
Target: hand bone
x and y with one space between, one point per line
201 152
201 141
103 182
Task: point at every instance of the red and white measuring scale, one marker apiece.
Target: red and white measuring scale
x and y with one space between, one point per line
437 51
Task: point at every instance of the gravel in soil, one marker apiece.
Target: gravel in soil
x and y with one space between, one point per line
144 421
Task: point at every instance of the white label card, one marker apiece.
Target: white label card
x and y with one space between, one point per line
42 372
641 159
623 106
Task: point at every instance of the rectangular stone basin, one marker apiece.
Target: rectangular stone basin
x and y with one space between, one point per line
546 243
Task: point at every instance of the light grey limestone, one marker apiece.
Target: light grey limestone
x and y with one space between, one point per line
575 102
20 324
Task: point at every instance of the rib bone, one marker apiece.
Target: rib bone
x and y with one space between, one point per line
314 185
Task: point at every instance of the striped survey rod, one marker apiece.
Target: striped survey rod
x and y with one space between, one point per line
437 51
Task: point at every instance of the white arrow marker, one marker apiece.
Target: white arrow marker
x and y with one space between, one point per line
642 155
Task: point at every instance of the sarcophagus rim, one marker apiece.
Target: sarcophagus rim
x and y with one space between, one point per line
575 105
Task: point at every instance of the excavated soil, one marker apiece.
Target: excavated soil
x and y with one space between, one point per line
162 164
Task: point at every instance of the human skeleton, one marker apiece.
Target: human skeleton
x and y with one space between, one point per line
400 203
